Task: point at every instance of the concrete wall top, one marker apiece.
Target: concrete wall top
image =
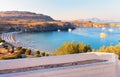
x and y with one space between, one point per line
29 62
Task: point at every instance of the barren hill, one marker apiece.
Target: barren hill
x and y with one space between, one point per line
24 15
30 22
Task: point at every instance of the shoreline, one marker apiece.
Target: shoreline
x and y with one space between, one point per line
11 38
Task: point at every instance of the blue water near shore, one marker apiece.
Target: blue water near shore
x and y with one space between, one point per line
49 41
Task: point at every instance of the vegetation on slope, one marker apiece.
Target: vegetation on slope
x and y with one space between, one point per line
72 48
17 52
66 48
110 49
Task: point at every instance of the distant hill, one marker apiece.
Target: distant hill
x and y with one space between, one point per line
23 15
100 20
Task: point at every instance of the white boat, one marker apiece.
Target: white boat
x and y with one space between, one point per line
103 28
58 30
79 29
110 30
69 30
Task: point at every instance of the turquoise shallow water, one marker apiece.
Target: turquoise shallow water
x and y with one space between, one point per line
49 41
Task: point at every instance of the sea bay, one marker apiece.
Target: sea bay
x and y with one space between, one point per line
50 41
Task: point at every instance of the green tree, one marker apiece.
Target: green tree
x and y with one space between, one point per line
22 50
87 48
42 53
80 47
72 48
66 48
37 53
0 39
111 49
28 52
46 54
102 49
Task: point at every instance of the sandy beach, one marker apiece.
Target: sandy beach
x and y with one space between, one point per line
11 38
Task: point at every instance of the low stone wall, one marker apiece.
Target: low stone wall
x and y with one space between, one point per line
95 70
109 68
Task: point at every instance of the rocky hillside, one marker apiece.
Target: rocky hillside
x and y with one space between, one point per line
17 15
30 22
34 26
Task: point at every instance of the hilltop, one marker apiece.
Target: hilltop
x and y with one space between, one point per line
30 22
23 15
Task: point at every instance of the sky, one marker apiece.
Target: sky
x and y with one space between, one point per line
66 9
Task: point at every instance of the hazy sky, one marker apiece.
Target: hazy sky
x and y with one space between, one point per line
66 9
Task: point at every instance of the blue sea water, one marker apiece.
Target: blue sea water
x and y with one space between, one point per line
50 41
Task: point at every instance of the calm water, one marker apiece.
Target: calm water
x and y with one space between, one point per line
49 41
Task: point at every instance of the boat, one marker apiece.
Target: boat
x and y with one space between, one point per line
110 30
79 29
58 30
103 35
103 28
69 30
